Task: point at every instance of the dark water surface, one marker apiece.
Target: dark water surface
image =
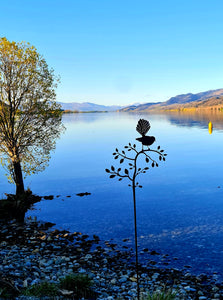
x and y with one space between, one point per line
180 208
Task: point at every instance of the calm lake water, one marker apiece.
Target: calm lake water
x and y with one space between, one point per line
180 207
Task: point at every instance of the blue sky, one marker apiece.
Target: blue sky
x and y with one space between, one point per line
119 51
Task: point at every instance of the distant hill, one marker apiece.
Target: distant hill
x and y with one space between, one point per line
210 102
180 99
203 99
88 106
140 107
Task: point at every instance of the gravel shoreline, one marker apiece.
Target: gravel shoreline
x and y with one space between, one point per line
33 252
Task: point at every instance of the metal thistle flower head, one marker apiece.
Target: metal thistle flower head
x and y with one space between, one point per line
143 127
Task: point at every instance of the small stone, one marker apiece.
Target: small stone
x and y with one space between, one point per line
153 252
50 262
66 292
155 276
82 271
36 274
35 281
25 283
133 279
35 250
28 264
4 243
122 279
189 289
67 259
113 281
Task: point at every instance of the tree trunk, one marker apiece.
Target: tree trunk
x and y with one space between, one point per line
18 178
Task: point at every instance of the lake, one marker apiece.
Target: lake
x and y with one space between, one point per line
179 208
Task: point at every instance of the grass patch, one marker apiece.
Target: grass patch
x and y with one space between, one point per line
4 293
78 283
163 295
42 289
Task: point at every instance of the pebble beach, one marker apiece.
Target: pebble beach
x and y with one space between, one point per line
33 252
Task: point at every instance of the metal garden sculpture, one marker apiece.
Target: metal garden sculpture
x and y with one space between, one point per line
132 171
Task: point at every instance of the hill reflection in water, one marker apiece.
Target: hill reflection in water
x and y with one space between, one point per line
196 118
199 118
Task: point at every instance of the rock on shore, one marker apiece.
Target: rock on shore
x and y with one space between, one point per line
33 252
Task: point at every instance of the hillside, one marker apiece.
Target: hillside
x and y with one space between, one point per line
186 98
140 107
207 103
203 99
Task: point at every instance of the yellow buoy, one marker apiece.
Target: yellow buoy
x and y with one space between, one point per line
210 127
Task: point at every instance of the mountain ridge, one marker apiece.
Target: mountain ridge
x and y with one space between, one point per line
215 98
200 100
88 106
